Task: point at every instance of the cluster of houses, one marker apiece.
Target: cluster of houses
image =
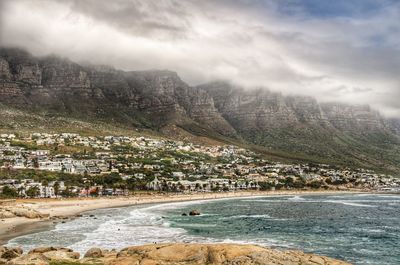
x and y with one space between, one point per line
163 165
31 188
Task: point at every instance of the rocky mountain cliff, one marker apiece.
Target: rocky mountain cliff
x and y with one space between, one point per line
148 98
261 109
292 127
298 125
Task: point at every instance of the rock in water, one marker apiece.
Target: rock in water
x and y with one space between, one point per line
194 212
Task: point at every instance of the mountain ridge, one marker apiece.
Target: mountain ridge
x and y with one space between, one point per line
155 99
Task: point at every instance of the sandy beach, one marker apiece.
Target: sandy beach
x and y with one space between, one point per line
60 209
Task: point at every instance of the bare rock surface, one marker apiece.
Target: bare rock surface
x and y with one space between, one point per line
94 253
9 253
170 254
11 211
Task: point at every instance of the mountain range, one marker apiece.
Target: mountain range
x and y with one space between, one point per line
44 89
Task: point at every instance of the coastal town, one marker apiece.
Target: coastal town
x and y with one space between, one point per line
43 165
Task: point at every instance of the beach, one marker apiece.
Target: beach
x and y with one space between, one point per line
63 209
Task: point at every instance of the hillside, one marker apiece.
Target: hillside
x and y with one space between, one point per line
55 93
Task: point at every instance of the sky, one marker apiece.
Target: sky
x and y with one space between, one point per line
342 50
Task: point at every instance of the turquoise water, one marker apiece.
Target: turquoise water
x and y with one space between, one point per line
359 228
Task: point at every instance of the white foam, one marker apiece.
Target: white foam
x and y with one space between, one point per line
389 196
247 216
264 200
296 198
350 203
196 225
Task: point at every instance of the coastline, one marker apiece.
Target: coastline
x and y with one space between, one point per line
63 209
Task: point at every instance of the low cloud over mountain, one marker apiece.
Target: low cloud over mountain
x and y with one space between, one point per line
348 52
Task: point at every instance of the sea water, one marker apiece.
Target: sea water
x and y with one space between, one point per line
359 228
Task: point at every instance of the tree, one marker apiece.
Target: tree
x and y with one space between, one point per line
265 185
33 192
68 192
112 179
131 184
35 162
315 184
181 187
299 184
9 192
56 188
289 182
164 186
45 183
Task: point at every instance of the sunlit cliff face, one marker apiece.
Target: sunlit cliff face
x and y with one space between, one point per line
346 51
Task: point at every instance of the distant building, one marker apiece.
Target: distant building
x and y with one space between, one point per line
155 184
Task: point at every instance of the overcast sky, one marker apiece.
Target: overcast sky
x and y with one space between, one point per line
342 50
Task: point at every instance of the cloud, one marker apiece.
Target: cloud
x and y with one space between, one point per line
348 51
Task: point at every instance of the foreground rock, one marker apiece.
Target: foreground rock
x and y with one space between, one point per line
8 253
171 254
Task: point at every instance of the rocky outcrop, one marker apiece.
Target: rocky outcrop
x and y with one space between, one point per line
353 117
94 253
172 254
8 253
20 211
44 256
194 212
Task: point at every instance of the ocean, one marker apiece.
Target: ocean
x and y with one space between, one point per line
359 228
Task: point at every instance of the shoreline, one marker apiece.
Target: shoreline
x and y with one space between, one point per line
67 209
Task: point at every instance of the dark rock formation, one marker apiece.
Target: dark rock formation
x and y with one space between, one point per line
194 212
8 253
